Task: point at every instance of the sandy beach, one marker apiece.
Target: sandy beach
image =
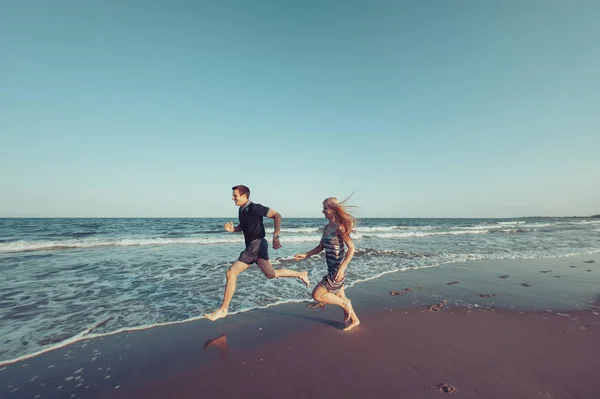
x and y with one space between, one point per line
506 328
165 164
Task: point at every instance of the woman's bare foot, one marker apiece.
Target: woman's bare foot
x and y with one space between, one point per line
346 317
304 278
217 314
354 321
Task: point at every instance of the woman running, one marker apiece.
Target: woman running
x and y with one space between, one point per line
336 233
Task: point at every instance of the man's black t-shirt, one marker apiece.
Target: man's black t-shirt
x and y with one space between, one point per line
251 221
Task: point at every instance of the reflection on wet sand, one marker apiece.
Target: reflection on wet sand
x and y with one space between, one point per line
220 342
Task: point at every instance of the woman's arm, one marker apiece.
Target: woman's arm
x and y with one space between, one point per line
310 253
342 270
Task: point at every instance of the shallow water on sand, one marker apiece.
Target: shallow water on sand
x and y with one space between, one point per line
64 278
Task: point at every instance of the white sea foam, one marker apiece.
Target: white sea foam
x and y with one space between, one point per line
285 230
477 227
68 341
537 225
378 229
21 246
413 234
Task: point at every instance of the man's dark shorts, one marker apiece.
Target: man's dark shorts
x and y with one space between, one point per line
258 248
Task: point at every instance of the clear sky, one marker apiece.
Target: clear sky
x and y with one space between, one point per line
423 108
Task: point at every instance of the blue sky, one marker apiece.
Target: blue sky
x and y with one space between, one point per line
423 108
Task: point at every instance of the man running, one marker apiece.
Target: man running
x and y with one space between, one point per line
251 224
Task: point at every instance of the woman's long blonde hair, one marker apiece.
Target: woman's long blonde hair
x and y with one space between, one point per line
345 219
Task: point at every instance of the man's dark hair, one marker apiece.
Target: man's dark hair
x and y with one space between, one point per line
242 190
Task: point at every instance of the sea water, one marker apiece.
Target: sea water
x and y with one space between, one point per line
62 280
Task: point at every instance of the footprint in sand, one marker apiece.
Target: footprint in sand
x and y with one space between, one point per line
588 261
504 276
545 271
573 267
588 270
527 284
487 295
453 282
396 293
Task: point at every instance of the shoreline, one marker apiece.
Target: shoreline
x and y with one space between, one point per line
128 363
89 335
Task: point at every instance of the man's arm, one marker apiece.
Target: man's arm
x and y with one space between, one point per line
230 228
272 214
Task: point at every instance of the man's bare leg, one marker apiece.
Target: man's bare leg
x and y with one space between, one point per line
232 274
267 268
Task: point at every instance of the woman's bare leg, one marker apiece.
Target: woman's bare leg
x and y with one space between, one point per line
342 294
321 294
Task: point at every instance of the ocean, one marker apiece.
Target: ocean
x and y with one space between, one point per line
64 280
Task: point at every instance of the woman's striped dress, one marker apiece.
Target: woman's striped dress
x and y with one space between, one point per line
334 255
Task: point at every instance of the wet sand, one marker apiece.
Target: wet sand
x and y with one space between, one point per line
529 334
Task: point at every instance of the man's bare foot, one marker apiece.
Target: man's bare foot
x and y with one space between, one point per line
354 321
304 278
217 314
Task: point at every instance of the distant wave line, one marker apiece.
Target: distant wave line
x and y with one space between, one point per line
25 246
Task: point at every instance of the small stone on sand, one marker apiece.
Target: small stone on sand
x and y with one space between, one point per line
438 306
446 388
